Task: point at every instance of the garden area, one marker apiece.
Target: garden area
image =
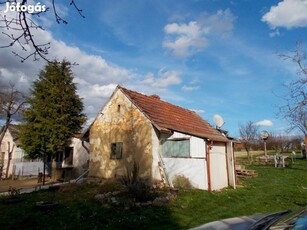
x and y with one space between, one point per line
111 206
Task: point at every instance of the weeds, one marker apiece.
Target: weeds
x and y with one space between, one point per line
137 187
13 192
181 181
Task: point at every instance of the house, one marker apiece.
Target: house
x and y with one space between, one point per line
12 159
165 141
71 162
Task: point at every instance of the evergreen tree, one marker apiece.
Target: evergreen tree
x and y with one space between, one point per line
54 113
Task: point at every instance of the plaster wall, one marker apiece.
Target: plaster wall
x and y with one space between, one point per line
19 166
120 121
194 167
6 146
80 156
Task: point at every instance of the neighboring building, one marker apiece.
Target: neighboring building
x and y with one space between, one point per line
165 141
12 159
70 163
74 160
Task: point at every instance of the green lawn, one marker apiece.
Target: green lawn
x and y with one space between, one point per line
274 189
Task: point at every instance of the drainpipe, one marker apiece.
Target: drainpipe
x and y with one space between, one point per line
234 164
209 146
84 146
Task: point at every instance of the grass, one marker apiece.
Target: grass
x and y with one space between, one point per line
274 189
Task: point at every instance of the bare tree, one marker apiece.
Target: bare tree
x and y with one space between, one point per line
294 110
12 102
248 135
19 29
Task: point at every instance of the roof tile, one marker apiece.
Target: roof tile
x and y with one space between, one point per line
172 117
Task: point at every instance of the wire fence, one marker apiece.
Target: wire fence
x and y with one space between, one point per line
27 168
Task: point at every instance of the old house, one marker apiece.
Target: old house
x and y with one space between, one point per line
70 163
13 160
165 140
73 160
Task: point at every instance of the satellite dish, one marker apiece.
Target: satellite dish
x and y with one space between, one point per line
218 121
264 134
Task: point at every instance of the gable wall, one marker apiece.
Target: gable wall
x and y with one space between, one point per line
120 121
4 155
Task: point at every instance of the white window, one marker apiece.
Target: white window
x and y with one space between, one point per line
179 147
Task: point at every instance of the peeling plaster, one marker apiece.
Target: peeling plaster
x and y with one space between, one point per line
120 121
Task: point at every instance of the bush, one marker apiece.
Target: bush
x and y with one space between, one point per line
137 187
181 181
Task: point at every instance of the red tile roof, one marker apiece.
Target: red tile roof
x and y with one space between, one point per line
166 116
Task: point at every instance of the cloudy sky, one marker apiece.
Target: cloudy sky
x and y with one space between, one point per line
211 56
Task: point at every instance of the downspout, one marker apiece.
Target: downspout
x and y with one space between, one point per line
84 146
234 163
209 146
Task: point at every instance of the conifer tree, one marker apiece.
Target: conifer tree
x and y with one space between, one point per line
54 113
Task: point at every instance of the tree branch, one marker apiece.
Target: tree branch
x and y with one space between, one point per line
20 30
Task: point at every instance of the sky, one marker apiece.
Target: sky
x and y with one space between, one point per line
210 56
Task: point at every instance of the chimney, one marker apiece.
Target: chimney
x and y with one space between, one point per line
155 96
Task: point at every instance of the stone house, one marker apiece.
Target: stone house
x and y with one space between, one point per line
165 141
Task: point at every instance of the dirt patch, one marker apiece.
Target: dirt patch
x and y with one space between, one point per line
19 184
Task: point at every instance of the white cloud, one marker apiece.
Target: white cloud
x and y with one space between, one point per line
221 23
162 79
103 91
288 13
198 111
167 78
274 33
264 123
190 30
185 39
189 88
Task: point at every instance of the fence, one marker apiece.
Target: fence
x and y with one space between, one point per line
27 168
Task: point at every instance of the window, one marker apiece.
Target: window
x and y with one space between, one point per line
116 150
176 148
68 156
64 158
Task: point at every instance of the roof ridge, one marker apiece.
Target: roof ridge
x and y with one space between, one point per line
153 97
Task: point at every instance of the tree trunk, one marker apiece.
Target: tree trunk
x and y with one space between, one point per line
44 170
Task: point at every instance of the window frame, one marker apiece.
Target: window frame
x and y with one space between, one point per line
116 150
173 154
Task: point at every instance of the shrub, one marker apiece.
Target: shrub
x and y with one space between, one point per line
181 181
137 187
13 192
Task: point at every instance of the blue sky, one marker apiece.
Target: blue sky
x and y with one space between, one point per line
211 56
